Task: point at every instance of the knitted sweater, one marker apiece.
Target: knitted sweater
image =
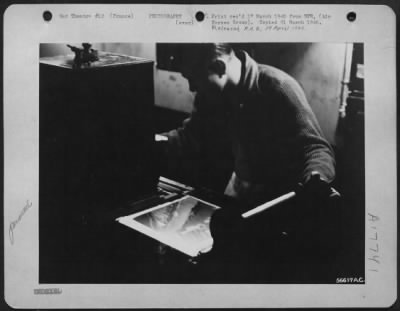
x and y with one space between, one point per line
273 134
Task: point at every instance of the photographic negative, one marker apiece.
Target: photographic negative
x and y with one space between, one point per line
183 224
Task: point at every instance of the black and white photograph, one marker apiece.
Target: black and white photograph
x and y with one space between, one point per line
200 156
270 133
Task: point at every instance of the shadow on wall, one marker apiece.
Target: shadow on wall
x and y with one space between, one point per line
170 88
318 67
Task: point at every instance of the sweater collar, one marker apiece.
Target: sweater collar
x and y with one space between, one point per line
249 74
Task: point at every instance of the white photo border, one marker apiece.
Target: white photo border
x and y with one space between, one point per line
24 30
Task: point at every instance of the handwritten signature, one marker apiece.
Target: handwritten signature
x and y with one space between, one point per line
14 223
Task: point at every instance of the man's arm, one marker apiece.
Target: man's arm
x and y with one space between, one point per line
317 154
186 140
178 153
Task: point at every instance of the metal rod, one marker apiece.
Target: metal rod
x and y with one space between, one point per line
269 204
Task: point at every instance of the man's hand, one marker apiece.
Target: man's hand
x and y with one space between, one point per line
225 222
160 137
315 187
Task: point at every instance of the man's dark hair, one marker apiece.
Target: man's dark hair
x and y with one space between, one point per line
222 49
206 50
203 52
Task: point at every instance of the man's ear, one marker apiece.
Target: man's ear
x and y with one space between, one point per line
218 66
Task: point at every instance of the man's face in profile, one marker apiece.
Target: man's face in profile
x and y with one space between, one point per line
201 79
